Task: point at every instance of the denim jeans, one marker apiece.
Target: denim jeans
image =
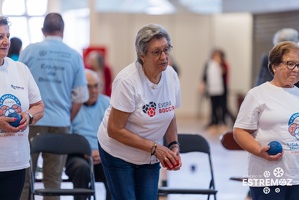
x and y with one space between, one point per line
128 181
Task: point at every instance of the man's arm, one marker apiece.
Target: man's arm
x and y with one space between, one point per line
75 109
79 96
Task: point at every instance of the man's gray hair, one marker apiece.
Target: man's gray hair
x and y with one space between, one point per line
285 34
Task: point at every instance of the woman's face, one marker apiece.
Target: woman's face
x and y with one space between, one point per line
155 57
217 57
283 76
4 41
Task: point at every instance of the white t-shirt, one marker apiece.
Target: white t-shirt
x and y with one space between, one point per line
274 113
214 79
17 90
151 110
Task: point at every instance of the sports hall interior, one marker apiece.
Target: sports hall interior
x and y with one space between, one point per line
243 29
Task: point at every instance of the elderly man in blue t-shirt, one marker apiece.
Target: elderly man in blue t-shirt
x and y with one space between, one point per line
86 123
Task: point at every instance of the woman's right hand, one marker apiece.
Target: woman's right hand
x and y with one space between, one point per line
264 154
6 127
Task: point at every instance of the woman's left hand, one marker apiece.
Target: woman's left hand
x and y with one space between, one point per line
24 123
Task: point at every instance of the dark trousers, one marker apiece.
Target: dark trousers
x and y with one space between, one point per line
275 192
217 115
77 169
11 184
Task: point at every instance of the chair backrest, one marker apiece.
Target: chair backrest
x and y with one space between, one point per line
227 140
197 143
60 143
193 143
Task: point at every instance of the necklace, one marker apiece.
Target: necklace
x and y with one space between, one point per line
154 85
150 83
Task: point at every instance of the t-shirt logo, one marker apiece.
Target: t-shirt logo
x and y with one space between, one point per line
294 125
150 109
9 104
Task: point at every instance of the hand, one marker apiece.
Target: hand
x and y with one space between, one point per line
264 154
96 157
168 158
6 127
170 165
25 121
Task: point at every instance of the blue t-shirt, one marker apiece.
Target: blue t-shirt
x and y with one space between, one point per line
88 119
58 71
15 57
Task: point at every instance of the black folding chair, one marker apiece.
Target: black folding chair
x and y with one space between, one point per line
194 143
61 144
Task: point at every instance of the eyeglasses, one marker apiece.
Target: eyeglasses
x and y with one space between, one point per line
157 53
290 64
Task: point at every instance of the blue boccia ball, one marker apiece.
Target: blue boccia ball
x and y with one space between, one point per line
275 148
15 115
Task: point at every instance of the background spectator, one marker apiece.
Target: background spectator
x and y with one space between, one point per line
95 61
285 34
59 73
215 80
15 48
86 123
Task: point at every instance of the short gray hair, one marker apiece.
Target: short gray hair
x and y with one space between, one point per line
145 35
90 72
285 34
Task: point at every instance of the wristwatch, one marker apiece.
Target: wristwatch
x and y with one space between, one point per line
30 117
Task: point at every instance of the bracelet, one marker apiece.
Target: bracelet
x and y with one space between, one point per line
174 146
153 149
172 143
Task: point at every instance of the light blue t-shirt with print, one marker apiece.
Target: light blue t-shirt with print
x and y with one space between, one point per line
59 73
88 119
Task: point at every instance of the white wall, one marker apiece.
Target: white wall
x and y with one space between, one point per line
233 33
192 36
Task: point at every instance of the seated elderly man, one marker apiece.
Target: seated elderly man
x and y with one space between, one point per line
86 123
